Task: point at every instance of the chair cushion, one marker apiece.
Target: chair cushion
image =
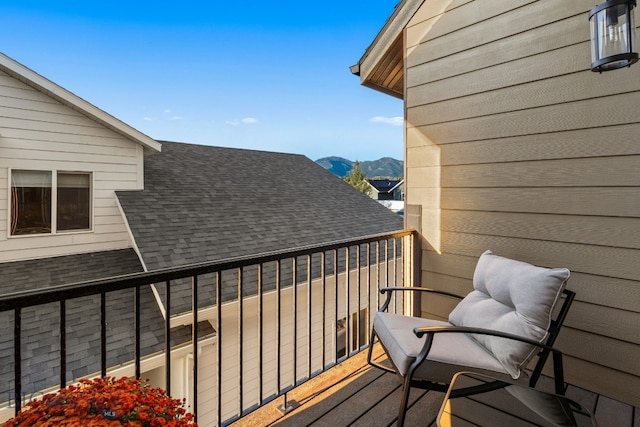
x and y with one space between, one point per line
450 352
514 297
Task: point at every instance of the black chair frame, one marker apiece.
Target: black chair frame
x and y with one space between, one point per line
545 349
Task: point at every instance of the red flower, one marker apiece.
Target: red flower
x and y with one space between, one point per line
105 402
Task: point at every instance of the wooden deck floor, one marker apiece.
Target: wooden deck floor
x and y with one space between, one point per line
355 394
350 394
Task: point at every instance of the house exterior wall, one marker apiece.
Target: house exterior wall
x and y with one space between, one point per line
39 133
363 298
514 145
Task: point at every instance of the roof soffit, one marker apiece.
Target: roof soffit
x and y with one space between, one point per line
41 84
382 65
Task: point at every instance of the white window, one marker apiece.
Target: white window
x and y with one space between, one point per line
46 202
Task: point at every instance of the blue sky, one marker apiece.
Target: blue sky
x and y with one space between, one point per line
255 74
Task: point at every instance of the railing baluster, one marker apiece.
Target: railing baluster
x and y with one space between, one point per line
278 326
386 269
335 302
167 338
358 326
194 340
395 274
17 358
377 275
137 313
294 269
103 334
368 293
240 341
324 302
219 343
63 343
347 320
260 340
309 315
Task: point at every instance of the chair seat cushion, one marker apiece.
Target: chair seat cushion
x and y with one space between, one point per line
450 352
513 297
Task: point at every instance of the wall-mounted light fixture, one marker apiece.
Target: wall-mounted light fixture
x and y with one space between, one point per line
613 35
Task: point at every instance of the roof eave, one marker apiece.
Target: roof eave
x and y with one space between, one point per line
42 84
381 67
397 185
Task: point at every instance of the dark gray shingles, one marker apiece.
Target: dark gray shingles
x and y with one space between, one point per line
40 324
62 270
203 203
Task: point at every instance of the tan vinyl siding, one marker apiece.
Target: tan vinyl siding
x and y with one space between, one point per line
39 133
513 145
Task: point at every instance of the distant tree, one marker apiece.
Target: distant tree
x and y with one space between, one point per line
357 179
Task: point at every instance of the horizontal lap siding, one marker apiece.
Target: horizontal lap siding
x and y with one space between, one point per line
323 335
38 132
514 145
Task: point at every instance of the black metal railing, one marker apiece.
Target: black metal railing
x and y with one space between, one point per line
270 322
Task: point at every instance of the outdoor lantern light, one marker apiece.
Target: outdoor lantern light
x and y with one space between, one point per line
613 33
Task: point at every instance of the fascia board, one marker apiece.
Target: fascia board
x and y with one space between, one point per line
394 26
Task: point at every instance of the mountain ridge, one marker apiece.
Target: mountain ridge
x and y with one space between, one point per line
385 167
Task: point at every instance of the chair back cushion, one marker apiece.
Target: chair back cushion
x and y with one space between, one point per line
513 297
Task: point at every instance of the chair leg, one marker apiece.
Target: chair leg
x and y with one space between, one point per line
406 388
371 342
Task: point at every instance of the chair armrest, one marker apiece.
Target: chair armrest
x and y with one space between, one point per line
430 331
389 291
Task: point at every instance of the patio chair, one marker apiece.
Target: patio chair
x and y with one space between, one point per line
496 330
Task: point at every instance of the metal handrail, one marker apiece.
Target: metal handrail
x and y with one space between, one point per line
18 301
28 298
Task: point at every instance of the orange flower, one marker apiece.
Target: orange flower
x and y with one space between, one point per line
105 402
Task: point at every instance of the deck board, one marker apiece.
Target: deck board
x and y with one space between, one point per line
355 394
350 394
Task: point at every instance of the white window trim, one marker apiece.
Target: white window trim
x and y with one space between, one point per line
54 203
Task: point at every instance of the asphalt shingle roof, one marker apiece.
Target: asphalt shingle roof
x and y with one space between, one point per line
40 324
63 270
203 203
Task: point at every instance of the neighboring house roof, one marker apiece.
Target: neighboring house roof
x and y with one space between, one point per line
203 203
67 98
63 270
385 185
40 333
